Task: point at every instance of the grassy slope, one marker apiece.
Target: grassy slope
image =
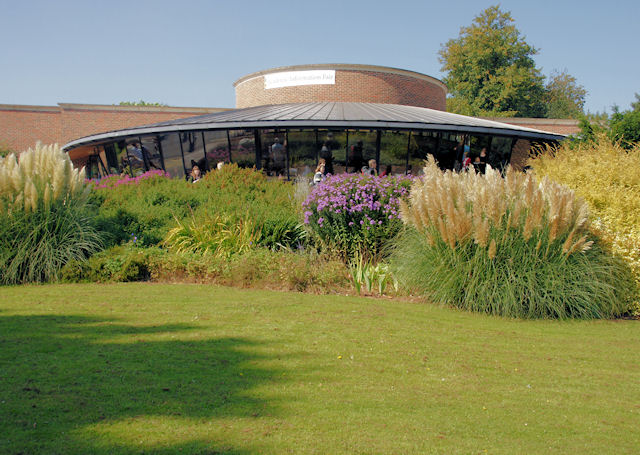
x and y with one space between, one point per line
141 368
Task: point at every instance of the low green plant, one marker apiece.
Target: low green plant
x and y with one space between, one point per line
45 220
369 276
217 235
122 263
507 246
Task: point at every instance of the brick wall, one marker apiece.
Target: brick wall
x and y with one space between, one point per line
368 86
554 125
22 126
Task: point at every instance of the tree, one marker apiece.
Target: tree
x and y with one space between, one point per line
564 97
490 69
625 126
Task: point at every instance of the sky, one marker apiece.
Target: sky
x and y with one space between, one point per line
189 52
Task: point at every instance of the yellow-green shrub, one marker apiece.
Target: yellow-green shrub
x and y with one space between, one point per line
608 177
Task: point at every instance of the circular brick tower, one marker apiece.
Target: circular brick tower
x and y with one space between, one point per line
340 82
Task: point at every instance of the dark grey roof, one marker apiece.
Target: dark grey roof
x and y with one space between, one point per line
327 115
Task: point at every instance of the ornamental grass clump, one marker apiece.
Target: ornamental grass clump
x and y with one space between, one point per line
507 245
44 219
355 215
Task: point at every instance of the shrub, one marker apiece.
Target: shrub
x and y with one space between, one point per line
118 264
606 176
149 208
257 268
44 217
507 246
353 214
114 181
217 235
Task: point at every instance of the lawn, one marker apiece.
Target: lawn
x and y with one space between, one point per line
160 369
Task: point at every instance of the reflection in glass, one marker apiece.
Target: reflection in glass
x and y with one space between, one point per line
423 144
193 150
274 152
151 153
135 158
302 147
332 147
217 147
243 149
393 152
173 164
499 152
362 149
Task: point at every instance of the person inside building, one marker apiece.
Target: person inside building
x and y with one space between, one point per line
277 157
327 155
355 157
320 175
370 168
196 175
330 144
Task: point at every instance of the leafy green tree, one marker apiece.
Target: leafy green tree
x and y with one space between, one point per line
490 69
636 104
625 126
564 97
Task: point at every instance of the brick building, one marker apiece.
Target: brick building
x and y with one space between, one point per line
395 115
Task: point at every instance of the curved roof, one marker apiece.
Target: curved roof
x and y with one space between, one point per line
326 115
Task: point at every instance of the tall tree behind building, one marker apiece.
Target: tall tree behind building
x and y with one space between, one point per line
564 97
491 71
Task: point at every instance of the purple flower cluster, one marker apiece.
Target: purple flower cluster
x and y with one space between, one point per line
356 209
114 180
357 198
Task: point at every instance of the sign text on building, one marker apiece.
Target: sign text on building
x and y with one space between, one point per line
293 78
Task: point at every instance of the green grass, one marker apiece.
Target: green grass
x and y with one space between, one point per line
147 368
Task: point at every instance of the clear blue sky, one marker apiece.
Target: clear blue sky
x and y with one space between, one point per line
189 53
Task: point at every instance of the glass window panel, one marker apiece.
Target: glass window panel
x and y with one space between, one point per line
173 165
193 150
243 148
362 149
500 152
135 157
423 144
393 152
274 152
448 150
479 146
111 159
336 150
151 152
303 150
122 158
217 148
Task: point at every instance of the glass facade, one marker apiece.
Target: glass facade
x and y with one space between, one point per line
291 153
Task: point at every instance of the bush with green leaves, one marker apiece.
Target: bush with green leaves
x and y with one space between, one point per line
355 215
507 246
45 220
148 209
